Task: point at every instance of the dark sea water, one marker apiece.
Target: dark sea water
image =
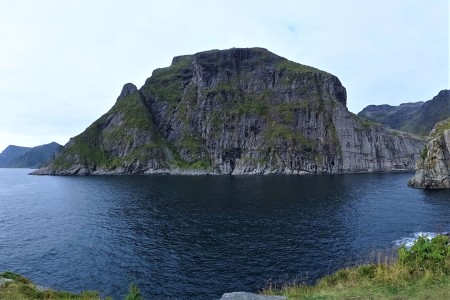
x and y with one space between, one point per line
180 237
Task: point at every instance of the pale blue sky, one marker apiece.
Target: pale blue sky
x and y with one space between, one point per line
63 63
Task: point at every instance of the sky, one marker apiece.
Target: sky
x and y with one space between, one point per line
63 63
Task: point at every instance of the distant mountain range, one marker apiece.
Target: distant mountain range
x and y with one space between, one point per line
27 157
418 118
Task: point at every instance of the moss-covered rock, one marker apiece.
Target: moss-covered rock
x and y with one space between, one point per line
433 166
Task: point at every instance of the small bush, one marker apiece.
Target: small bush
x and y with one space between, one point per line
430 255
133 293
419 272
424 153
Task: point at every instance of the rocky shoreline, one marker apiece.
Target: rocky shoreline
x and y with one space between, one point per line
433 166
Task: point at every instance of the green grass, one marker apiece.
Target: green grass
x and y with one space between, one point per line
296 67
424 153
421 272
440 127
135 114
133 293
167 83
89 150
363 122
85 150
22 288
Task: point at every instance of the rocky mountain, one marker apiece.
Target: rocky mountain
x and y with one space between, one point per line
25 157
11 153
433 166
236 111
418 118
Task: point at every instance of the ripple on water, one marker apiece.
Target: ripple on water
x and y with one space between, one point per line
199 237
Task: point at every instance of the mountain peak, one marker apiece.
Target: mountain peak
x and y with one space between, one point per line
127 89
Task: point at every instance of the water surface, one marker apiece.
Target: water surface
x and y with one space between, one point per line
198 237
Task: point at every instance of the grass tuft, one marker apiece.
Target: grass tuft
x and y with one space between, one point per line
419 272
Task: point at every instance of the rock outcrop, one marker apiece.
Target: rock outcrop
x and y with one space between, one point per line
433 166
417 118
249 296
236 111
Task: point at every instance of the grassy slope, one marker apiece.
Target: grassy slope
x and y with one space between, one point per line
88 148
356 287
440 127
422 272
23 289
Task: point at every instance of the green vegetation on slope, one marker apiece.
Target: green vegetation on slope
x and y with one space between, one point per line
421 272
440 127
17 287
167 83
363 122
296 67
84 149
89 147
23 289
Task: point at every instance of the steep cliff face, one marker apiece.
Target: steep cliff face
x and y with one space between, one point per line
433 166
417 118
237 111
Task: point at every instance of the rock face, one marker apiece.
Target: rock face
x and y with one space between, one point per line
249 296
24 157
236 111
433 166
417 118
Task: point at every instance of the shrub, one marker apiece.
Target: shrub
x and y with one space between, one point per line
427 254
424 153
133 293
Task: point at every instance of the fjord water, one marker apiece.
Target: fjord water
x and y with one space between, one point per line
200 236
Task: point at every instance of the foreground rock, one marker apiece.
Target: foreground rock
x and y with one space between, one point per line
236 111
249 296
433 167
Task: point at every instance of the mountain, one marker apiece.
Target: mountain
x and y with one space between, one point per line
10 154
236 111
24 157
418 118
433 166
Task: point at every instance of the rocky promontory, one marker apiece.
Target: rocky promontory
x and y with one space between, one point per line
236 111
433 166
